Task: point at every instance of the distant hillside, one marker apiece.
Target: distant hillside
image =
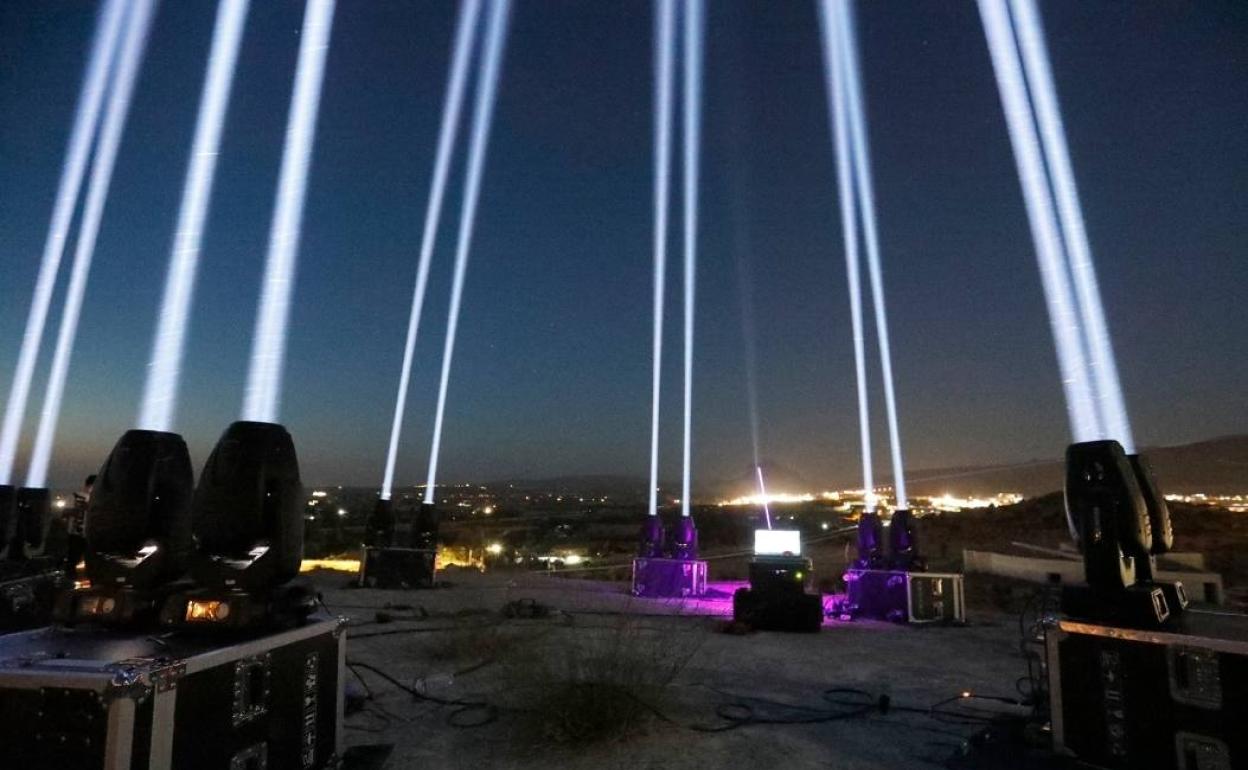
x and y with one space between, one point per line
1217 466
623 488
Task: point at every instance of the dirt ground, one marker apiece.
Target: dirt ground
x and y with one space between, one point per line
456 644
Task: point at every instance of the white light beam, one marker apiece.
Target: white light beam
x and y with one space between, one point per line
452 109
86 120
264 380
664 70
482 118
120 90
160 394
694 35
835 77
1101 359
1063 319
866 199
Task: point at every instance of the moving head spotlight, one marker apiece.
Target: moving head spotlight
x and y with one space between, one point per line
870 542
27 509
1119 528
425 527
247 511
903 542
138 532
379 530
138 521
685 539
650 544
8 507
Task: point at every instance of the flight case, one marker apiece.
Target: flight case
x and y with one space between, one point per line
94 699
1127 698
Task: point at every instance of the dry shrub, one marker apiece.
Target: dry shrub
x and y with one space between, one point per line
588 683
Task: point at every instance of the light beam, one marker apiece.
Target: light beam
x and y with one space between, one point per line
160 394
482 118
664 69
86 120
120 90
835 77
694 35
268 352
1101 360
1063 320
452 109
853 100
762 494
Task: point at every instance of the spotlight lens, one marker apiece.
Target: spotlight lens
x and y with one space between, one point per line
207 611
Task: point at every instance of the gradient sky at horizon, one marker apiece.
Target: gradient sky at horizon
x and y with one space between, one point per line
552 370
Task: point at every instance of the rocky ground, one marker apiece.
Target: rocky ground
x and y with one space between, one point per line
577 673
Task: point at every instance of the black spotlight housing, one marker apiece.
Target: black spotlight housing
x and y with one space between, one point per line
1119 520
870 541
34 504
650 540
903 542
138 532
685 539
425 527
8 507
247 511
379 529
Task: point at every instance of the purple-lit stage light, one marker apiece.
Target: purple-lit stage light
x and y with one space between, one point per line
268 353
903 542
452 109
1085 423
482 119
160 394
870 542
651 538
86 120
685 539
121 88
1101 360
664 68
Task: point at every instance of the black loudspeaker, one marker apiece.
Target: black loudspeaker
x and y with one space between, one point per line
8 506
247 511
138 529
379 530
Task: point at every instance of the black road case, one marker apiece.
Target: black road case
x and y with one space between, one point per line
91 699
1127 698
901 596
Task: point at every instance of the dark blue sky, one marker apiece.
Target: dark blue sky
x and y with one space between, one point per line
553 365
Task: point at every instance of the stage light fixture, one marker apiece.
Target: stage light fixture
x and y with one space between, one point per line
138 521
247 511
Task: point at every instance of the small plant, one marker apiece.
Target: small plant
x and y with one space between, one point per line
591 683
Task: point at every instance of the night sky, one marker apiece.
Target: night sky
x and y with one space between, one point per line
552 370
